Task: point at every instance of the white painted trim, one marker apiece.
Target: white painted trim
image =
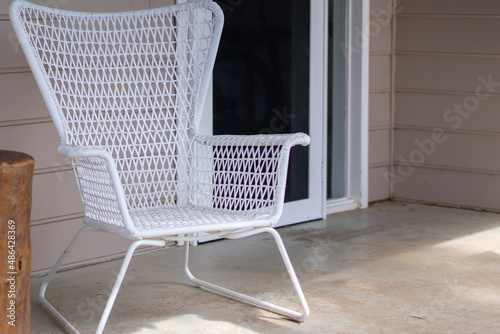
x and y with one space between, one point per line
341 205
357 51
364 95
324 148
392 109
314 207
357 97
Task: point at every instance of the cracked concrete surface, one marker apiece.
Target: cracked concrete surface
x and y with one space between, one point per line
392 268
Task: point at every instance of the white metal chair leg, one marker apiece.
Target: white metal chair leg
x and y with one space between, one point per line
114 292
121 275
257 302
45 304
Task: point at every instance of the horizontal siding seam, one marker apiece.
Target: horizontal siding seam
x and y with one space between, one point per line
379 128
450 168
449 16
445 129
380 53
382 164
25 121
57 219
375 15
446 54
379 90
82 263
439 92
12 70
55 169
99 259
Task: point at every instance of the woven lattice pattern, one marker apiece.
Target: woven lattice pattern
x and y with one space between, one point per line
133 85
237 173
189 217
98 195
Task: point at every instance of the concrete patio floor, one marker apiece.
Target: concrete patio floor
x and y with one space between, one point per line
392 268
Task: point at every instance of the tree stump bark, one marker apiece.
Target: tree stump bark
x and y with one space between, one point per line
16 179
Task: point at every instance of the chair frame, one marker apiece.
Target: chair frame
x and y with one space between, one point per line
158 237
291 314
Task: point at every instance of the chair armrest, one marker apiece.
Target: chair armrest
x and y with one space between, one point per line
242 173
100 188
286 140
74 152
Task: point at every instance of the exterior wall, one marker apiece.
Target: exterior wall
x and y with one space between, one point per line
381 44
446 126
25 125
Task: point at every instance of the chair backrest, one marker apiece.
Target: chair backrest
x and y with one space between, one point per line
133 83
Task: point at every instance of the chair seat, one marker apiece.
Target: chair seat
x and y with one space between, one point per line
160 221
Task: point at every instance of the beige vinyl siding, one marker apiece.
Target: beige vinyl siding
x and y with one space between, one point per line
447 52
446 7
91 247
380 99
26 126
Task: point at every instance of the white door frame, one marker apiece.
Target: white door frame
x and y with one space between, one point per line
314 206
356 51
357 95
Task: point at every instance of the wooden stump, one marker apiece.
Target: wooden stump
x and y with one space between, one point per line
16 178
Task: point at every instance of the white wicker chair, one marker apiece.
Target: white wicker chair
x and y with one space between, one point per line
125 92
